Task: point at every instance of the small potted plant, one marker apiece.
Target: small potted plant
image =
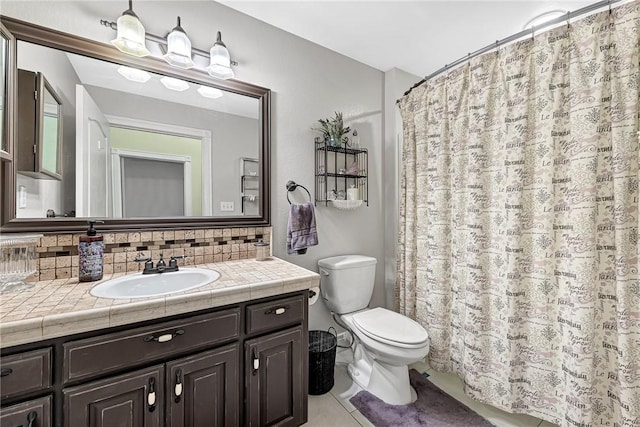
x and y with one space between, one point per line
333 130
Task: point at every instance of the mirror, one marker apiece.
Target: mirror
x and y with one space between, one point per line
6 42
51 132
4 50
143 144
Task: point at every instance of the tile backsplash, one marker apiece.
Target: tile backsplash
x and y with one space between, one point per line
58 253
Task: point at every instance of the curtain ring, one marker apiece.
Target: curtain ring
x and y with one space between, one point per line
533 32
497 47
609 7
568 15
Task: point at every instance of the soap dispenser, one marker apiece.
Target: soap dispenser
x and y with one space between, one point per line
90 252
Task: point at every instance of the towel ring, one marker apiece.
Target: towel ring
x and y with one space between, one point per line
292 186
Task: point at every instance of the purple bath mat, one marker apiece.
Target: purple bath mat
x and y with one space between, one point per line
434 408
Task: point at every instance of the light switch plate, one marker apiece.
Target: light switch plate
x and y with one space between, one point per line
22 197
226 207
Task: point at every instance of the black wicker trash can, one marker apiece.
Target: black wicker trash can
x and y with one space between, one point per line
322 358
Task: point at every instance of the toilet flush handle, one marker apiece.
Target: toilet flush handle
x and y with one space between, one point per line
324 272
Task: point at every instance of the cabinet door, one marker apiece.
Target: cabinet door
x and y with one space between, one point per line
39 132
275 379
34 413
129 400
203 390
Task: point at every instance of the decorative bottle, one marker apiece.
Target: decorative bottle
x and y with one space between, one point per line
90 255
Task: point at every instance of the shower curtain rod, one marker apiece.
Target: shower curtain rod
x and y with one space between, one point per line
528 32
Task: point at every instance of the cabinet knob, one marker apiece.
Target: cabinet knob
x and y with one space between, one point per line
164 337
31 418
278 310
5 371
151 397
256 362
178 387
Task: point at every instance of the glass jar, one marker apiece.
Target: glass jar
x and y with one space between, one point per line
263 250
18 260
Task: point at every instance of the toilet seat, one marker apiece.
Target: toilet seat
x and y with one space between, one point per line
391 328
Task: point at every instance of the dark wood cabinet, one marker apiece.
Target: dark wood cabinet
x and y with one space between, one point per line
274 377
39 127
85 358
34 413
203 390
239 365
25 373
132 400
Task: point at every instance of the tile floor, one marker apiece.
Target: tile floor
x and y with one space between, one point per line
333 409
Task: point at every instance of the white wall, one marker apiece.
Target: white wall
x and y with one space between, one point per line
308 82
62 77
40 196
396 83
232 136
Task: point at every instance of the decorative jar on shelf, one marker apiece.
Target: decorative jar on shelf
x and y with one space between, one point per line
334 142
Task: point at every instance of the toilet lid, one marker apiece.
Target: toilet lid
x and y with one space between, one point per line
390 327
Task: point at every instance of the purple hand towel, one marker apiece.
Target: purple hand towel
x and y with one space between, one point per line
301 229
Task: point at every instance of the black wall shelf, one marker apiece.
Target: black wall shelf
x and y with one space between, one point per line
339 169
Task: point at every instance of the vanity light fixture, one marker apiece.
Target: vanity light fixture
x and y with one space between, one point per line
134 74
210 92
220 61
178 48
130 38
174 84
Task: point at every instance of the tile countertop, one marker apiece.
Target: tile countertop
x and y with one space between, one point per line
55 308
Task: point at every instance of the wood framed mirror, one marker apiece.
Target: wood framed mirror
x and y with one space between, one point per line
138 155
7 44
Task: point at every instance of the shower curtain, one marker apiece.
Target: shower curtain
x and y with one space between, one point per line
518 247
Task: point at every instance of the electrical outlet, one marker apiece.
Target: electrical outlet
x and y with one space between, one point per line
226 207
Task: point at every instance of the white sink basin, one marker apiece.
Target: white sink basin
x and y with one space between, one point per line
151 285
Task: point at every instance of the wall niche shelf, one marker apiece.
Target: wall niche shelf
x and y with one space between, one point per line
341 176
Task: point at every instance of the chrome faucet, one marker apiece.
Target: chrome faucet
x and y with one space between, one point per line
161 266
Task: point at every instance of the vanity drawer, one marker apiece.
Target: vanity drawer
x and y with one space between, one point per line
25 372
111 352
275 314
34 412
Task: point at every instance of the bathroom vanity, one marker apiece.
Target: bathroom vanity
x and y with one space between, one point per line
231 353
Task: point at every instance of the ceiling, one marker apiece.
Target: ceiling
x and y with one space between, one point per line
415 36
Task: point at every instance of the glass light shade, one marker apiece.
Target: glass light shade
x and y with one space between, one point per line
210 92
174 84
130 36
178 48
220 61
134 74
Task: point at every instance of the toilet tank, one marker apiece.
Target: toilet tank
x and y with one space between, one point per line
346 282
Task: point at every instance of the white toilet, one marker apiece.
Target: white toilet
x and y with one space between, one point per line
386 342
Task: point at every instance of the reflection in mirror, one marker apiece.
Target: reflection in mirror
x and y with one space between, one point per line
50 132
4 52
39 130
137 144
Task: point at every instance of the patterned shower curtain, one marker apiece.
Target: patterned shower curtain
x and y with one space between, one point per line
518 248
